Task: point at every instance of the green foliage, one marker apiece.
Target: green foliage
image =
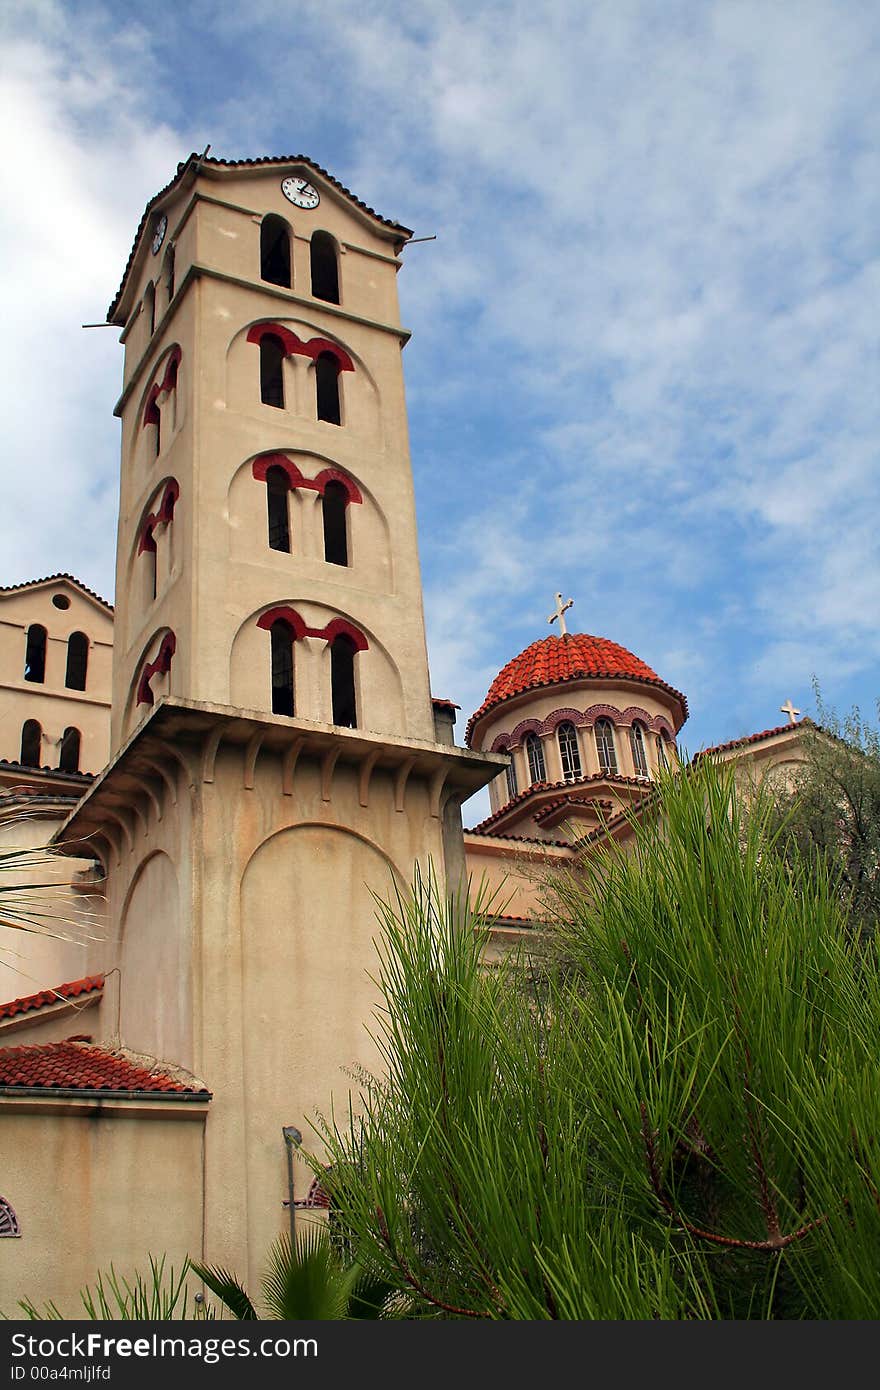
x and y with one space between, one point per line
114 1298
303 1281
831 814
675 1119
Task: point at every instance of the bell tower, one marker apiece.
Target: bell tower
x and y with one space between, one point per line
275 763
267 552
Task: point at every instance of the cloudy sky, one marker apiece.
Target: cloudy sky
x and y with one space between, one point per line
644 358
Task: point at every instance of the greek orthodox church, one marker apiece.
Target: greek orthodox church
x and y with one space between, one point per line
245 751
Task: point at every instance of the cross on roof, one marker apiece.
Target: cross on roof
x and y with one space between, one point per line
789 709
560 610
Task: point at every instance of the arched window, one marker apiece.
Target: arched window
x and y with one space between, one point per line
605 745
342 654
150 308
169 271
327 387
77 661
333 506
277 494
510 771
325 267
35 653
637 744
31 743
282 635
68 760
271 379
8 1220
662 758
566 735
275 251
535 754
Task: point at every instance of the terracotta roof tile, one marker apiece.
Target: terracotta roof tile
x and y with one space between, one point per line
197 159
616 778
48 579
72 990
81 1067
553 660
752 738
47 772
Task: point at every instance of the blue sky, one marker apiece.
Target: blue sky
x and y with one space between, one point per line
644 358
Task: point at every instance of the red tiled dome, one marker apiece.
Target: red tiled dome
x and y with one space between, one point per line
575 656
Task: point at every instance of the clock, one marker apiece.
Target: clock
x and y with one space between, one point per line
300 192
159 231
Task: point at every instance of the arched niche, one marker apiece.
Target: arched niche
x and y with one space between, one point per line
308 927
163 398
155 965
379 686
370 550
361 405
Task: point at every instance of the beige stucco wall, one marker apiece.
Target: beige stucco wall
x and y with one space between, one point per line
246 943
62 946
93 1187
49 701
511 875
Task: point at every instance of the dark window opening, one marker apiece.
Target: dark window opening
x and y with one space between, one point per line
77 661
275 251
535 753
605 746
281 635
60 601
277 489
510 771
152 573
169 271
35 654
158 429
271 379
150 307
334 504
327 386
31 743
325 268
342 654
70 742
662 759
637 744
569 752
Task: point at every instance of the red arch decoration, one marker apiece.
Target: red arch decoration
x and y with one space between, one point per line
294 346
283 614
160 664
264 462
337 627
159 518
168 383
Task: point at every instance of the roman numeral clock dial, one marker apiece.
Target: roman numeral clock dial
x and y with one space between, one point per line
300 192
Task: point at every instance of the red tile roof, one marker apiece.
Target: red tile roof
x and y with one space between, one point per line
752 738
49 579
576 656
617 779
72 990
80 1067
196 160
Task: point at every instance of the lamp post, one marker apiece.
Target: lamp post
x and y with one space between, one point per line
292 1140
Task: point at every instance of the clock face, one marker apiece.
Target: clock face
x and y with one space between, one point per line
300 192
159 233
